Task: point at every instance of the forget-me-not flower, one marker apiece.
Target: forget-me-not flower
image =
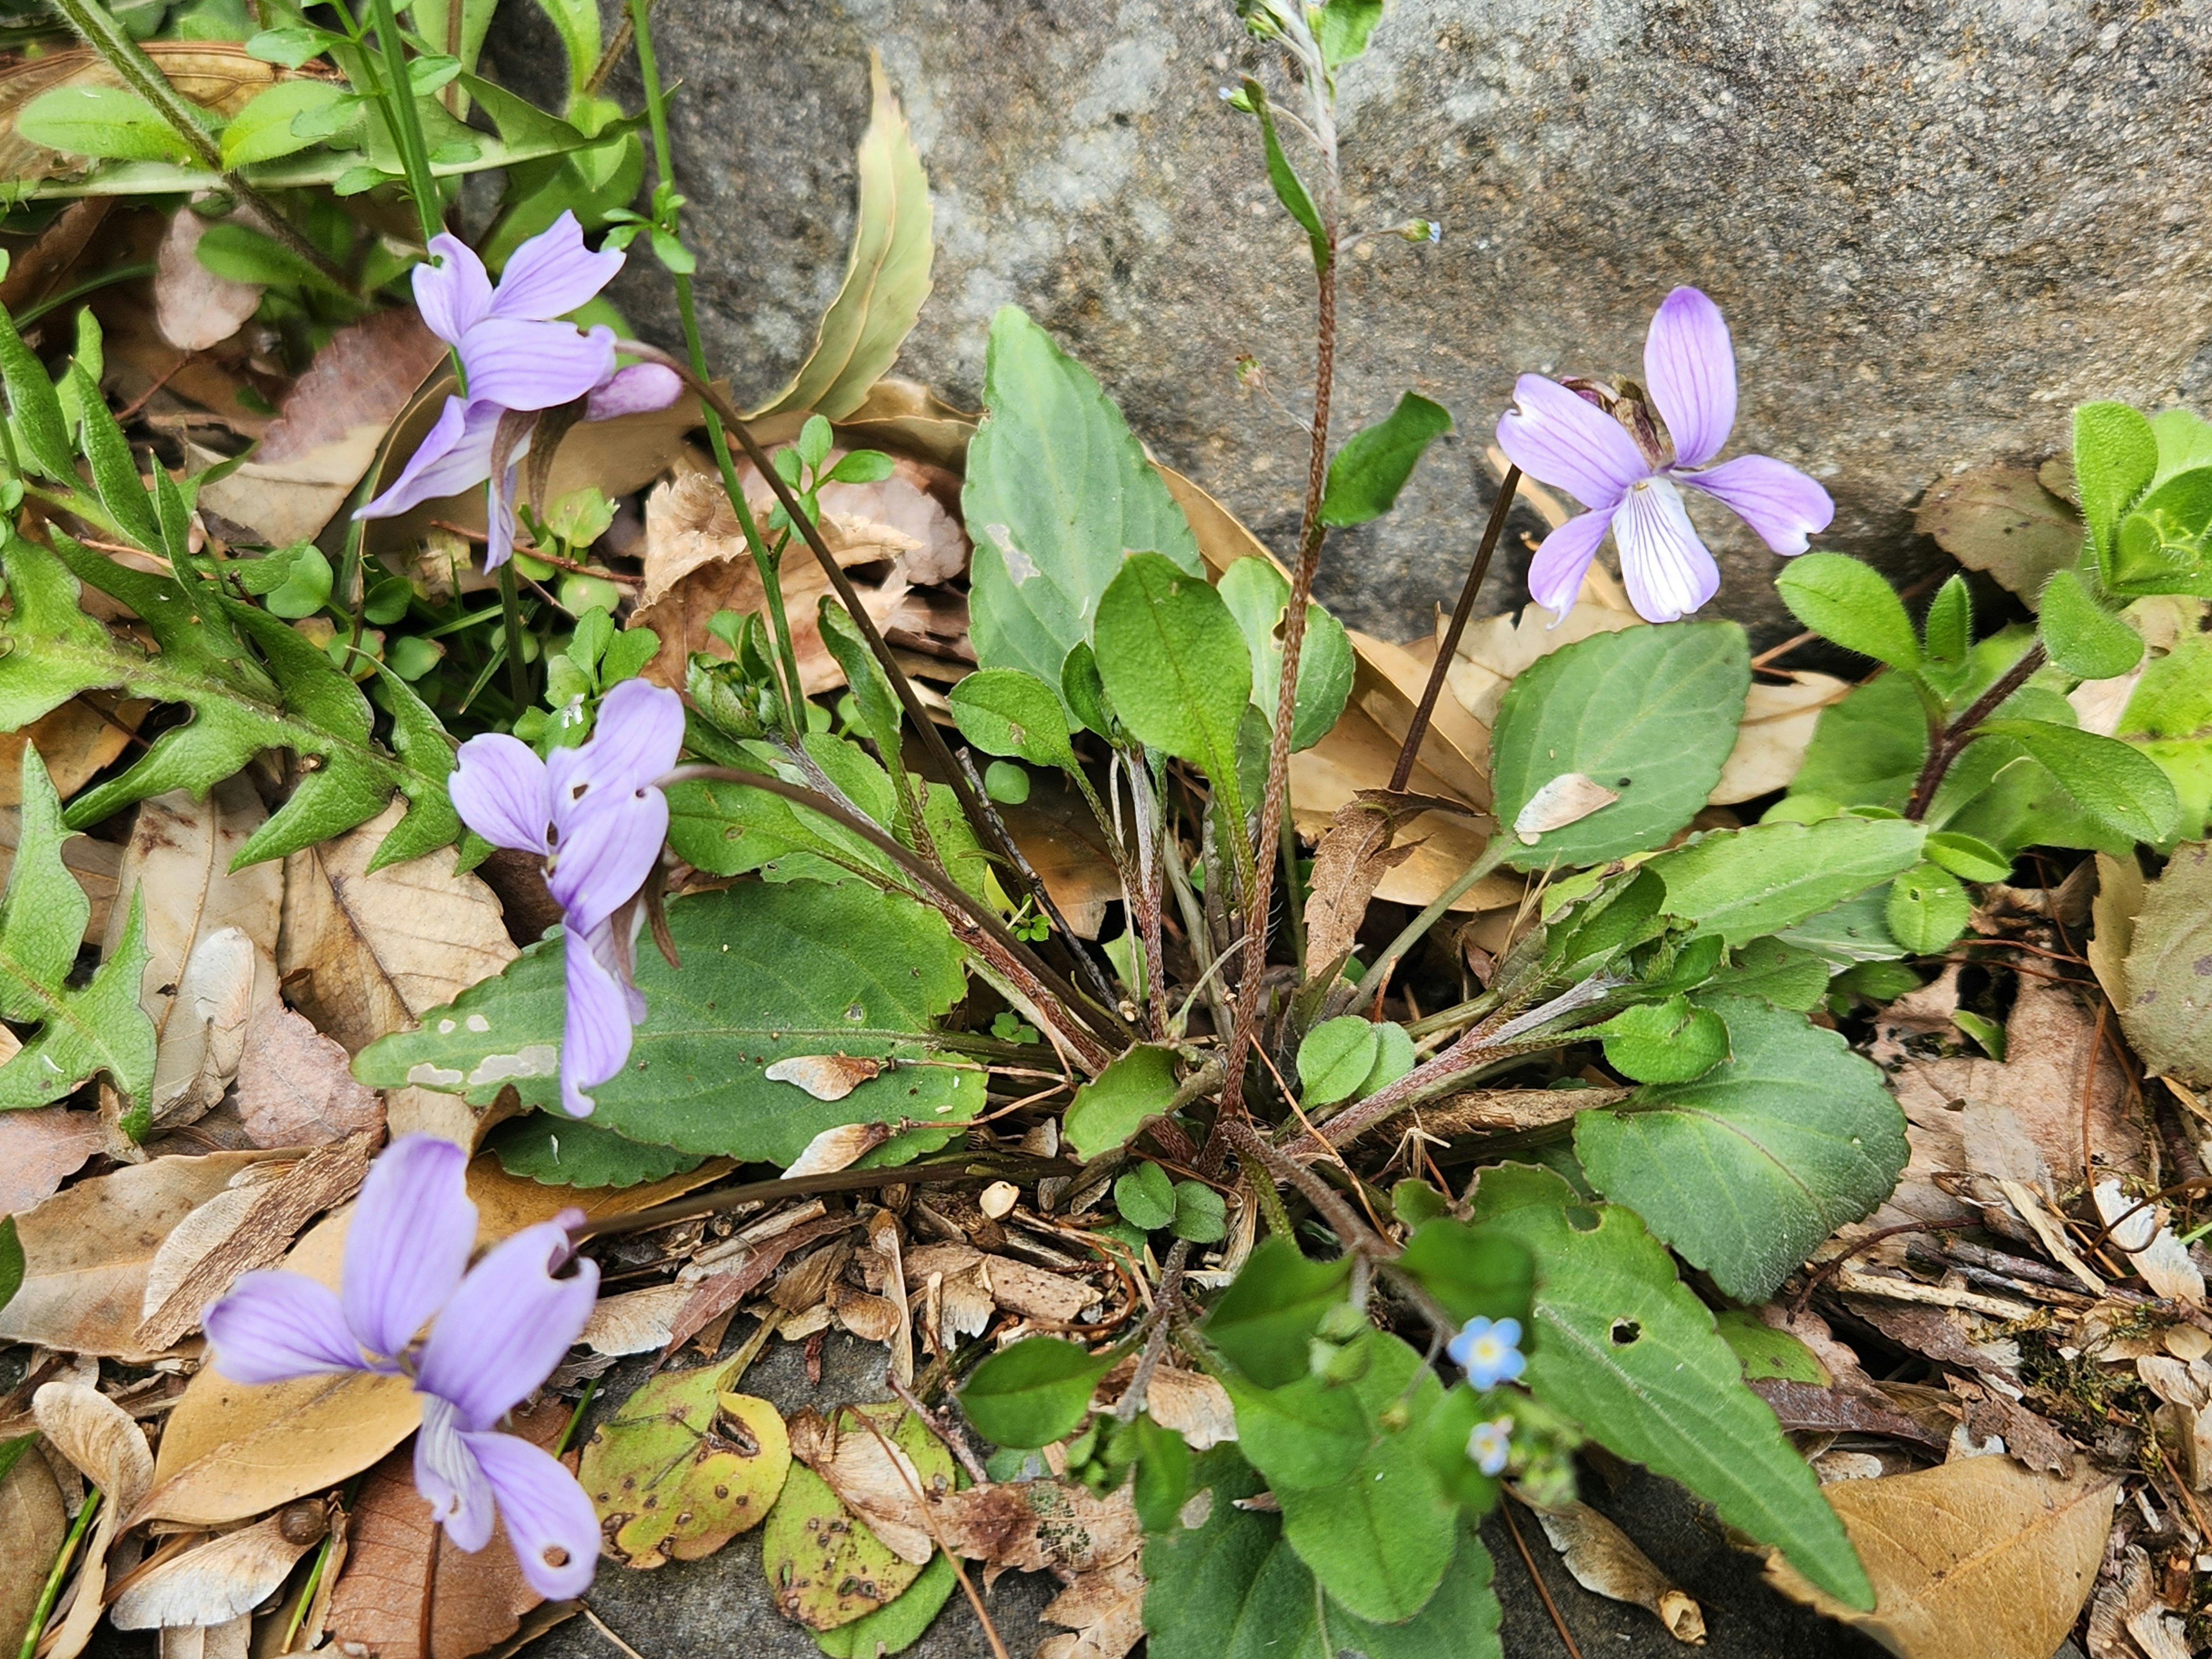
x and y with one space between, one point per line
519 360
1561 437
1491 1443
595 815
496 1332
1489 1350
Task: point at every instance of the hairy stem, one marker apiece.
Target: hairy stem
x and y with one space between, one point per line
1944 748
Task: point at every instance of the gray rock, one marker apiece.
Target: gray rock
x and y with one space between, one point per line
1933 224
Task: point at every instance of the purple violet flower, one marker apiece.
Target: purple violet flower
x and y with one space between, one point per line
519 360
593 814
496 1331
1568 439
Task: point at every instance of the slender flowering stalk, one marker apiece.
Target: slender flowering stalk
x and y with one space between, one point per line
495 1333
1603 449
595 816
518 361
1490 1352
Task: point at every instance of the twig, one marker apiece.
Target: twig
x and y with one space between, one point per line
1356 1233
604 1629
954 1442
1155 1331
1820 1274
1537 1579
929 1525
542 557
1410 750
1947 746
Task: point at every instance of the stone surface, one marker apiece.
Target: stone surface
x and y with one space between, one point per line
1934 224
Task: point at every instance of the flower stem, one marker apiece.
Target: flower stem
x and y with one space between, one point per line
406 130
1945 747
43 1609
510 612
1409 751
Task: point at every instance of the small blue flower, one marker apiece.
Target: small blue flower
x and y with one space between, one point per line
1490 1352
1490 1442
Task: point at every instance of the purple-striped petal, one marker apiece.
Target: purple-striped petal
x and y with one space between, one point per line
637 390
454 455
508 1326
604 848
274 1325
455 295
1665 568
1689 368
1564 441
550 1520
637 736
409 1243
450 1478
553 273
1555 576
525 365
602 1013
498 787
1774 498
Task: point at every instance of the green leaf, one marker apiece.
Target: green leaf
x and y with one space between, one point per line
1309 1433
1765 1351
1345 26
556 1150
105 122
771 972
1107 1111
2169 718
1965 855
886 275
1745 883
1202 1215
1785 974
1856 931
291 46
682 1466
1394 1056
1365 476
1263 1320
2168 1012
1928 908
12 1269
1867 750
1259 598
114 470
262 130
1623 1348
239 253
825 1566
1004 711
1649 713
1851 604
2115 459
1747 1169
2118 785
2081 636
1057 489
82 1032
1145 1197
1233 1588
1948 630
35 404
725 828
1472 1271
1668 1042
1290 189
899 1623
1161 1486
1175 665
1335 1057
1034 1392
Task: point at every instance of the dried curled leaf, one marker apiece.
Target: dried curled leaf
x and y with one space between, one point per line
1605 1560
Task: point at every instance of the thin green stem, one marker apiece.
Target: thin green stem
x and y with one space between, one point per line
307 1591
510 610
406 126
31 314
576 1417
43 1609
1371 981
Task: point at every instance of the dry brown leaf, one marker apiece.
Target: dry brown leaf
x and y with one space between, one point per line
1974 1559
193 307
2004 518
1386 686
826 1077
234 1640
1061 841
223 1579
1778 725
2149 1245
1191 1403
2120 889
871 1318
77 740
1494 650
1106 1610
1038 1526
39 1150
329 429
1605 1561
294 1088
477 1600
33 1523
2037 1445
88 1252
203 1028
363 954
1354 855
1808 1407
883 1243
104 1445
716 1294
637 1321
1568 799
871 1475
1032 1292
274 1212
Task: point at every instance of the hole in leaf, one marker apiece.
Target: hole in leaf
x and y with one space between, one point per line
1625 1331
1583 1219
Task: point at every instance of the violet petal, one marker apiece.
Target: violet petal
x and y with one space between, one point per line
1774 498
273 1326
498 787
455 296
1689 368
595 1038
450 1478
508 1326
1665 568
1559 439
1555 574
454 455
638 734
553 273
525 365
546 1512
409 1243
637 390
604 846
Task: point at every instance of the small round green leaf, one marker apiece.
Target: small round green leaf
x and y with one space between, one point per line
1668 1041
1033 1393
1005 783
1145 1197
1928 908
1335 1058
1201 1213
1004 711
1851 604
1107 1111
